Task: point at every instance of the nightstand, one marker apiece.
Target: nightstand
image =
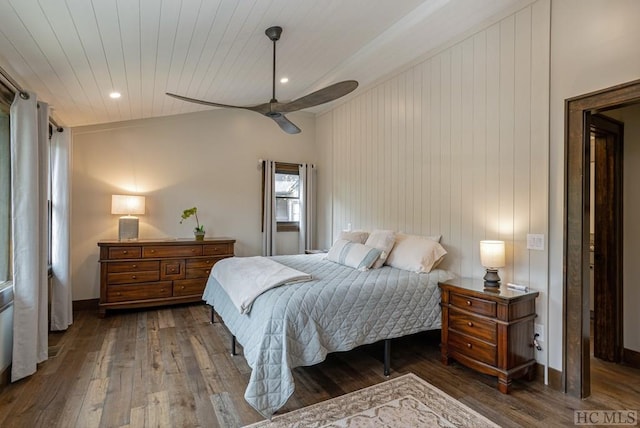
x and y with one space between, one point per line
488 331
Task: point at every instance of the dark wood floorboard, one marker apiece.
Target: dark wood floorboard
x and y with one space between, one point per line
170 367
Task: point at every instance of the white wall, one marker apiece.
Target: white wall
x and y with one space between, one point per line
207 159
455 145
594 45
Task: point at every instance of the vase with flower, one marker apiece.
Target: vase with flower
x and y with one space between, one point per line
198 231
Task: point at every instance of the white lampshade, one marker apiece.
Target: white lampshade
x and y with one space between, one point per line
127 204
492 254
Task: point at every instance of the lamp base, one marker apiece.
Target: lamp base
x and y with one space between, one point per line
491 278
128 228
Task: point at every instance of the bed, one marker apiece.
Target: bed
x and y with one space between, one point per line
339 309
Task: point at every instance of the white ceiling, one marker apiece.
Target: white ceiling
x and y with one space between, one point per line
73 53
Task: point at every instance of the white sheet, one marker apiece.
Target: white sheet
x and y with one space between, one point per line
246 278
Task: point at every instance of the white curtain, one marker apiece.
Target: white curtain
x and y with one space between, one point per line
61 303
307 207
269 225
5 198
29 172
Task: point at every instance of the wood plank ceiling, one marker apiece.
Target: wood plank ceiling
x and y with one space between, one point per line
73 53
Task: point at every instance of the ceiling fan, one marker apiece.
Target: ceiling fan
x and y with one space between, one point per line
275 109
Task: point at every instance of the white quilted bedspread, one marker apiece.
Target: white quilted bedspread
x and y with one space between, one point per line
340 309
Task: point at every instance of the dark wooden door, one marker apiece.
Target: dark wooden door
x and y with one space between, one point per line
607 325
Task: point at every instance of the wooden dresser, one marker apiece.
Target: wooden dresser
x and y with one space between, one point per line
136 274
489 331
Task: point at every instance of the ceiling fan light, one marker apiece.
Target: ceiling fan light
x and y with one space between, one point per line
284 80
115 95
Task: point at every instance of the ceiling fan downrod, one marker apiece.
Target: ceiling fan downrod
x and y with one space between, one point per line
273 33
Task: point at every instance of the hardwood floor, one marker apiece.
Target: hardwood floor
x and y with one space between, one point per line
170 367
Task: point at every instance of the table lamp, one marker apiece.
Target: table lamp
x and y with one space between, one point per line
129 205
492 258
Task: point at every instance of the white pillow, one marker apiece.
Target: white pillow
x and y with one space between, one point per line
382 240
353 254
359 236
415 253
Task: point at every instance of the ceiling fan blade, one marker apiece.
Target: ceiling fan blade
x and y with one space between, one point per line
321 96
203 102
285 124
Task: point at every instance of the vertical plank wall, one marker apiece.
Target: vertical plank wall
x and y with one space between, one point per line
456 145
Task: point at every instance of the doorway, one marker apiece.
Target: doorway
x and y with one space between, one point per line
578 111
606 143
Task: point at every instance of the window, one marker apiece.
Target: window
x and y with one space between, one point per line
287 189
5 199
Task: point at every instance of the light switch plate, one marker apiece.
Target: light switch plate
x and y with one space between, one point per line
535 241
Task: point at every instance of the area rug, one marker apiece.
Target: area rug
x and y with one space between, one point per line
406 401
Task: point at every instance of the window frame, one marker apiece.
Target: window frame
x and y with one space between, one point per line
291 169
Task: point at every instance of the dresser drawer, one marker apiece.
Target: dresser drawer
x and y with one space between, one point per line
136 266
132 277
217 249
473 326
189 287
472 347
171 251
172 269
473 304
125 252
123 293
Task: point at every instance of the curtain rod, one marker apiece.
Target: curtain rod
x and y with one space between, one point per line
23 94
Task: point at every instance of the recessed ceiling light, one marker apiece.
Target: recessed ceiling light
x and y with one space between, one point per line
284 80
115 95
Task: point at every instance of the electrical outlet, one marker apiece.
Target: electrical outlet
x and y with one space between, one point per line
539 330
535 241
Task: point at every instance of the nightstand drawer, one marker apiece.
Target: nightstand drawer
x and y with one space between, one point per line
132 266
132 277
123 293
125 252
171 251
217 249
189 287
473 326
473 304
473 348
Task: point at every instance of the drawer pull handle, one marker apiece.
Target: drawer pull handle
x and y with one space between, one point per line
208 262
193 250
124 252
133 277
134 266
182 287
207 271
468 302
173 270
153 251
470 324
118 294
469 345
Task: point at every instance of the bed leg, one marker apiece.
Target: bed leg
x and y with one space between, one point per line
387 356
233 346
213 312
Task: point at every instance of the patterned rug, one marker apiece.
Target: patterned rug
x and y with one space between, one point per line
406 401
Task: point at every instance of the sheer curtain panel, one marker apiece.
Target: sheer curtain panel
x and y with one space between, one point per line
307 207
61 304
269 225
29 172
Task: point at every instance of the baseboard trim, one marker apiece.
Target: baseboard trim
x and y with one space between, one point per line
86 305
5 377
555 377
631 358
